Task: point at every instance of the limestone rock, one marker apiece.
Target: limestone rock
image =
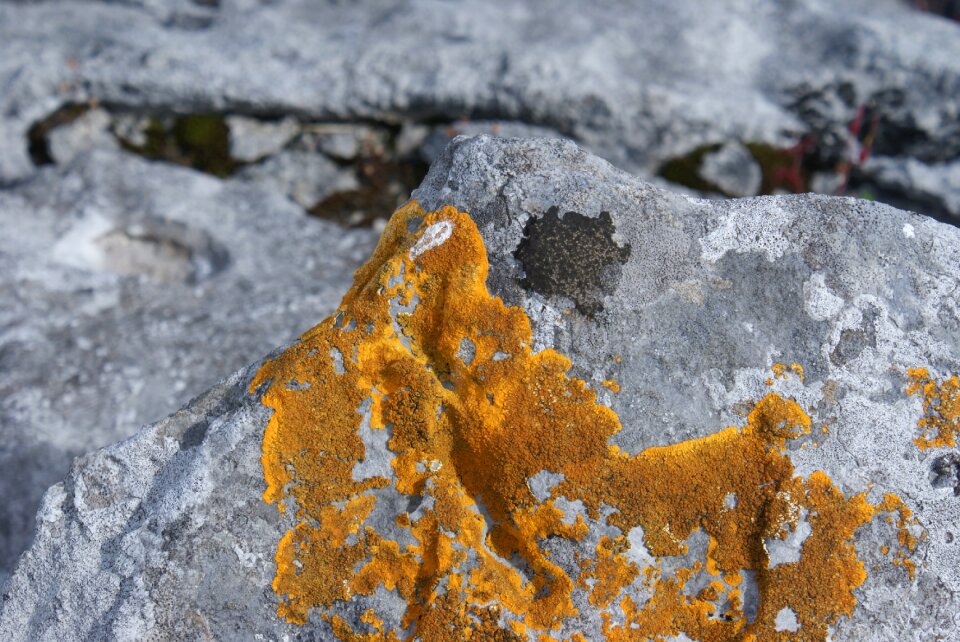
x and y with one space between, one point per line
937 184
437 140
128 287
89 131
639 84
733 170
252 140
304 177
680 317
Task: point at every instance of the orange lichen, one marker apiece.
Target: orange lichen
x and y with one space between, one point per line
469 433
611 385
940 425
611 571
780 371
906 540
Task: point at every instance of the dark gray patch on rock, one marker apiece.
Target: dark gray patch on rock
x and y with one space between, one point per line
193 436
574 256
853 340
945 472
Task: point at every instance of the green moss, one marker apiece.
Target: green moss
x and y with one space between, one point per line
200 141
685 170
781 169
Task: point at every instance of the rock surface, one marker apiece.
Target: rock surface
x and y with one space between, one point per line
686 304
128 287
639 84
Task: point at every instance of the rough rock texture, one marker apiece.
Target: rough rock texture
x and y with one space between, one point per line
639 84
166 534
128 287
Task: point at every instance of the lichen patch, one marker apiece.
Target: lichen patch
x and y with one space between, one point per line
572 256
470 438
940 424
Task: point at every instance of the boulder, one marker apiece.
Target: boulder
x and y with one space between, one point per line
129 287
516 422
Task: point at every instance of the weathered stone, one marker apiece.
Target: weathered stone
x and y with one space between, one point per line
437 140
638 84
166 534
733 169
304 177
89 131
252 139
345 142
128 286
935 186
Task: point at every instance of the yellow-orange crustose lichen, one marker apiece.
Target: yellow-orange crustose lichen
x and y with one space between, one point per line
780 372
468 429
940 425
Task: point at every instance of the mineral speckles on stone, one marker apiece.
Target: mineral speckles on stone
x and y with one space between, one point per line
470 438
940 425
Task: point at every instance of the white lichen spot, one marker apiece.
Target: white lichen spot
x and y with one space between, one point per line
749 230
908 231
820 303
730 501
786 620
432 237
467 352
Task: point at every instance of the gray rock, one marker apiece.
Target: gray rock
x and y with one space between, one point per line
733 169
345 142
131 128
826 183
252 139
638 84
304 177
936 186
90 131
166 535
127 287
438 138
